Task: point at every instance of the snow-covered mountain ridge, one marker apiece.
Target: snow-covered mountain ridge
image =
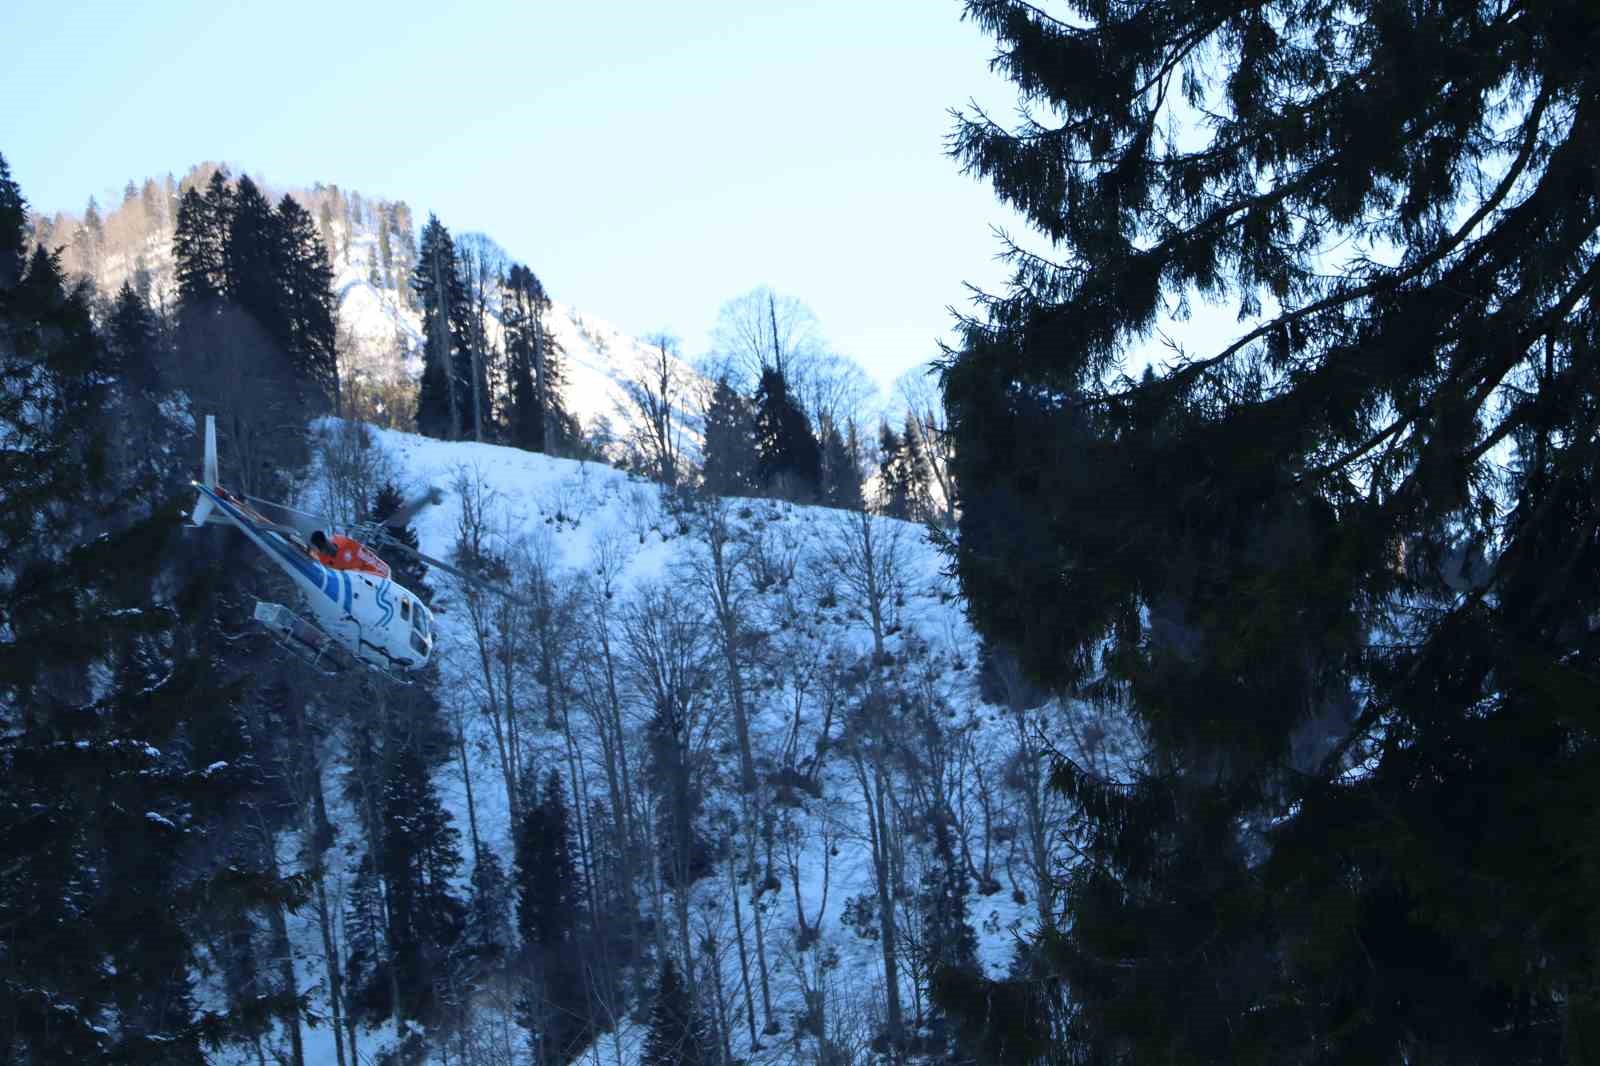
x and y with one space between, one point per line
385 335
380 330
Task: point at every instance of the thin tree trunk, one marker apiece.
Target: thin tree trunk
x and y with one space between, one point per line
757 883
542 383
713 967
477 375
877 825
466 780
744 958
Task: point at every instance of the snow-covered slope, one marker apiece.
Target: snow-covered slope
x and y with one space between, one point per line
585 518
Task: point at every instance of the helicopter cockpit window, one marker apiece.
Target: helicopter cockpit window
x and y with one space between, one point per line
405 609
419 630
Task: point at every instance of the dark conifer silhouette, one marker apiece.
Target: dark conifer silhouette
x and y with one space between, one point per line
101 765
841 473
309 307
550 895
444 400
1353 836
678 1034
729 443
538 419
789 460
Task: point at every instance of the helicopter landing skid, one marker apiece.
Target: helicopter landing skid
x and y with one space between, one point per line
307 642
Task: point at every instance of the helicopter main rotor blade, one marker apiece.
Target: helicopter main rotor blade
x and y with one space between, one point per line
302 521
474 579
405 511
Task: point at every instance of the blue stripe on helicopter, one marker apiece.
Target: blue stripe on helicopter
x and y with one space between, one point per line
384 602
312 571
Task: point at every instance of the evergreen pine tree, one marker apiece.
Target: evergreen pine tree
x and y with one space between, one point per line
914 474
1357 832
200 243
841 476
406 568
13 231
255 261
538 419
310 309
133 336
488 927
549 915
729 443
91 238
419 854
893 488
677 1035
385 251
445 396
197 252
789 460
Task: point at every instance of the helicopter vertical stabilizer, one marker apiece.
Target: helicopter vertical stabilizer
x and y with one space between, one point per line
203 505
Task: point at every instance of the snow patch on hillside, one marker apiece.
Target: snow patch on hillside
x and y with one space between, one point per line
579 509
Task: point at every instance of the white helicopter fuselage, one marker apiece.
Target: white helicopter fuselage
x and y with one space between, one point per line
377 621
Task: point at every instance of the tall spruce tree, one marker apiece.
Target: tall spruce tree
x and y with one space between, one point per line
133 336
678 1034
841 474
90 239
729 443
444 401
200 242
1343 568
419 853
310 310
538 419
13 230
255 261
550 893
788 458
407 569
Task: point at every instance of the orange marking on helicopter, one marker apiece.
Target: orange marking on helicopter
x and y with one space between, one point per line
351 554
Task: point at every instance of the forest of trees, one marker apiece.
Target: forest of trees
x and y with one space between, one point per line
1234 705
193 822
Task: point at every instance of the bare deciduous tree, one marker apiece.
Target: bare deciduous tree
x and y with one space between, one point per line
658 393
926 418
352 467
760 329
867 556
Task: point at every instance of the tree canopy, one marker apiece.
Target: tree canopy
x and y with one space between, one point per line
1341 567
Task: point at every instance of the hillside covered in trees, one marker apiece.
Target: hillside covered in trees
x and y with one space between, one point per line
731 773
1231 704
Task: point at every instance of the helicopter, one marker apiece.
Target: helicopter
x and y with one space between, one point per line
356 613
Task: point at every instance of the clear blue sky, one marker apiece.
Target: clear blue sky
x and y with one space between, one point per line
648 160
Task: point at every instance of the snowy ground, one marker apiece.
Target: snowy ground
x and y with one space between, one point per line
580 510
